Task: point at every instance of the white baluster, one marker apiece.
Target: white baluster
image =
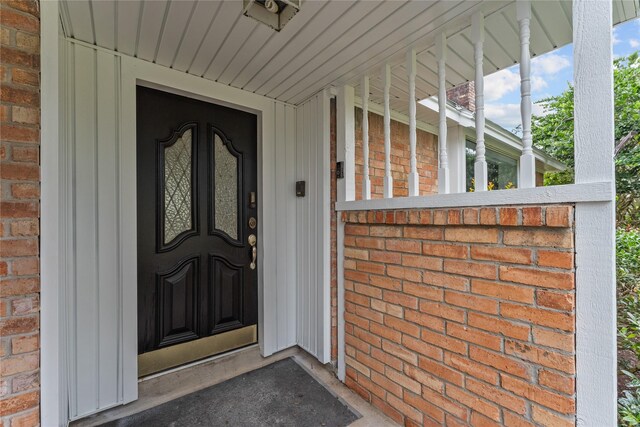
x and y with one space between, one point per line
527 160
366 181
388 179
443 170
480 167
414 180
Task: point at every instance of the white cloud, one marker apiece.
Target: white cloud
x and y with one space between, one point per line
507 81
634 43
508 115
501 83
538 83
614 34
549 64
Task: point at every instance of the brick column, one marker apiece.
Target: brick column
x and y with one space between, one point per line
19 212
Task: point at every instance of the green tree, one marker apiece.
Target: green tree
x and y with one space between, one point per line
553 132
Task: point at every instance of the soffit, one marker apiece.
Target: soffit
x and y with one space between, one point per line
327 43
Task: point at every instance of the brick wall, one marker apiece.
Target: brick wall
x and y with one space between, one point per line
19 212
426 156
462 316
464 95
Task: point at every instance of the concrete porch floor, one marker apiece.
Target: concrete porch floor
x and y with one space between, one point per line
162 388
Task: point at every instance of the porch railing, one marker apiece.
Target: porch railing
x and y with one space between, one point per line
526 177
593 192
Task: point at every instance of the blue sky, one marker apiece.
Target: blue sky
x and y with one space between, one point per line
550 74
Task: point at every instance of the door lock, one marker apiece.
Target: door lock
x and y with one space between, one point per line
254 250
252 223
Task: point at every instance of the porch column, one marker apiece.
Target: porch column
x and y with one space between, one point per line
527 160
595 222
477 36
414 180
366 181
346 143
388 179
443 170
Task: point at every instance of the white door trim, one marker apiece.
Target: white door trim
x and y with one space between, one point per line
52 373
137 72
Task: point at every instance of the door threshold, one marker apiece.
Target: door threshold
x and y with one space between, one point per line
177 355
163 387
198 362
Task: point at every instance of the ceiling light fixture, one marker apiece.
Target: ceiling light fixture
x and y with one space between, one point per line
274 13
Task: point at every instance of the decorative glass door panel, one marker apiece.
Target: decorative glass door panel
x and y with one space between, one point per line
177 172
227 171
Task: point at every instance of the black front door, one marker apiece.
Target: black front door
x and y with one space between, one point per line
197 223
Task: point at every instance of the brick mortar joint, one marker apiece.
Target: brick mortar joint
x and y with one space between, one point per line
8 6
402 217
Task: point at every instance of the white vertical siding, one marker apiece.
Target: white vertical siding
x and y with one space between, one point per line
107 76
98 219
285 169
91 183
313 225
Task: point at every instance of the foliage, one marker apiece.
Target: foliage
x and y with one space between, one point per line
628 262
628 283
629 403
553 132
491 186
628 209
629 324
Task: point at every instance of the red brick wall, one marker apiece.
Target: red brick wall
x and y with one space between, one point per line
464 95
19 212
426 156
462 316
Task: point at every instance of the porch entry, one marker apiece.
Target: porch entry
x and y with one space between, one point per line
197 229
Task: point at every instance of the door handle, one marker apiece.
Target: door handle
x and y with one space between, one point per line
254 251
254 256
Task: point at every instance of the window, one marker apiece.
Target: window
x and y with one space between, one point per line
502 170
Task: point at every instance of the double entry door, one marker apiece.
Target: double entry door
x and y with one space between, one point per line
197 206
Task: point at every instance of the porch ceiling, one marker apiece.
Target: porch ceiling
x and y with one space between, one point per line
326 43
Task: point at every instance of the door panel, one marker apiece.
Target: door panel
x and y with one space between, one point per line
227 282
178 303
196 186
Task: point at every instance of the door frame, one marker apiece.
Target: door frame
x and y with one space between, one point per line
202 134
137 72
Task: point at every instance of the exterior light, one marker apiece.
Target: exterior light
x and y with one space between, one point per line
274 13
